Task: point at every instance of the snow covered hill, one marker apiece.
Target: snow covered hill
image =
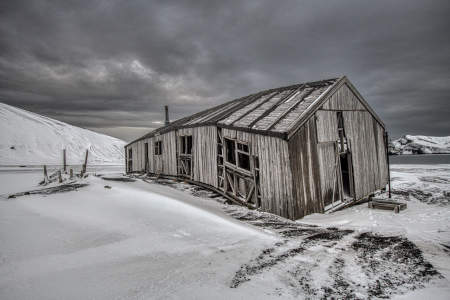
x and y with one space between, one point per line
27 138
420 144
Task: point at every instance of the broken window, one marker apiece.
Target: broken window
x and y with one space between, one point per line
158 148
186 144
189 144
244 161
230 147
130 160
238 154
342 142
182 145
146 157
243 156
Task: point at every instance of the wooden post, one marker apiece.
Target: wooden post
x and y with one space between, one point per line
386 141
83 171
45 174
71 173
59 176
64 160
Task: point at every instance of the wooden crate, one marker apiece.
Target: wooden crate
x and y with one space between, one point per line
387 204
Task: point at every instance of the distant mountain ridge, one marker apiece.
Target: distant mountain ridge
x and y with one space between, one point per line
27 138
420 144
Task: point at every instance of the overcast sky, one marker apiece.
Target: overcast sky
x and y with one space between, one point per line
111 65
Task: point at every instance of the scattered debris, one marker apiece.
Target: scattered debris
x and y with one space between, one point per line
68 187
123 179
387 204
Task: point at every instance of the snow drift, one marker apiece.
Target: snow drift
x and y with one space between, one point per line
27 138
420 144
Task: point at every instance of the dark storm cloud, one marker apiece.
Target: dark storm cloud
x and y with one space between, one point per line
112 65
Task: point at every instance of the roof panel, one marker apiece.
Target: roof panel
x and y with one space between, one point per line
295 114
285 106
246 109
248 119
274 111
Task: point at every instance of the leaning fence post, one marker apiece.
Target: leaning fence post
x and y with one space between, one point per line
64 161
71 173
59 176
45 174
83 169
85 161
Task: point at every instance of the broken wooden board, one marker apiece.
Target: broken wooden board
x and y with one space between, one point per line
51 190
387 204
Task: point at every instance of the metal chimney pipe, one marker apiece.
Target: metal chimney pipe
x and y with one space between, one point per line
166 110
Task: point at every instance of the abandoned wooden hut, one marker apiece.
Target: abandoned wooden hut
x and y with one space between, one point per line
291 151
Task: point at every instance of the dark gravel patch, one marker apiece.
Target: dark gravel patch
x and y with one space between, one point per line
380 255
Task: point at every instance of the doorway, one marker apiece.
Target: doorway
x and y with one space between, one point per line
146 167
345 162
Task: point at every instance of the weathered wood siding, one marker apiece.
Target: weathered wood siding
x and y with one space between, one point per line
166 163
204 154
365 137
327 134
343 99
275 172
326 126
382 155
305 173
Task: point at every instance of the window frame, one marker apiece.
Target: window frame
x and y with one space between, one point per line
240 149
157 148
342 139
130 160
186 144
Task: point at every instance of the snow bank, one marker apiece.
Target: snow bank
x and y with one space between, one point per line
132 241
27 138
420 144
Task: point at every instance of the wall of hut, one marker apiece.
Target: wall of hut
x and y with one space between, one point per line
365 136
275 173
306 188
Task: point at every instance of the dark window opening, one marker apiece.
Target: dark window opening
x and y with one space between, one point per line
342 142
242 147
189 144
186 144
130 160
146 156
182 144
158 147
244 161
230 151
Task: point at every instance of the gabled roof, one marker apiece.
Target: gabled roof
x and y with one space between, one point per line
276 112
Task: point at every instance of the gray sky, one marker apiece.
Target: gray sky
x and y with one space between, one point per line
111 65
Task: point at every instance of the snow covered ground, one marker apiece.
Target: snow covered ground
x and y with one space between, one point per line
420 144
159 240
27 138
